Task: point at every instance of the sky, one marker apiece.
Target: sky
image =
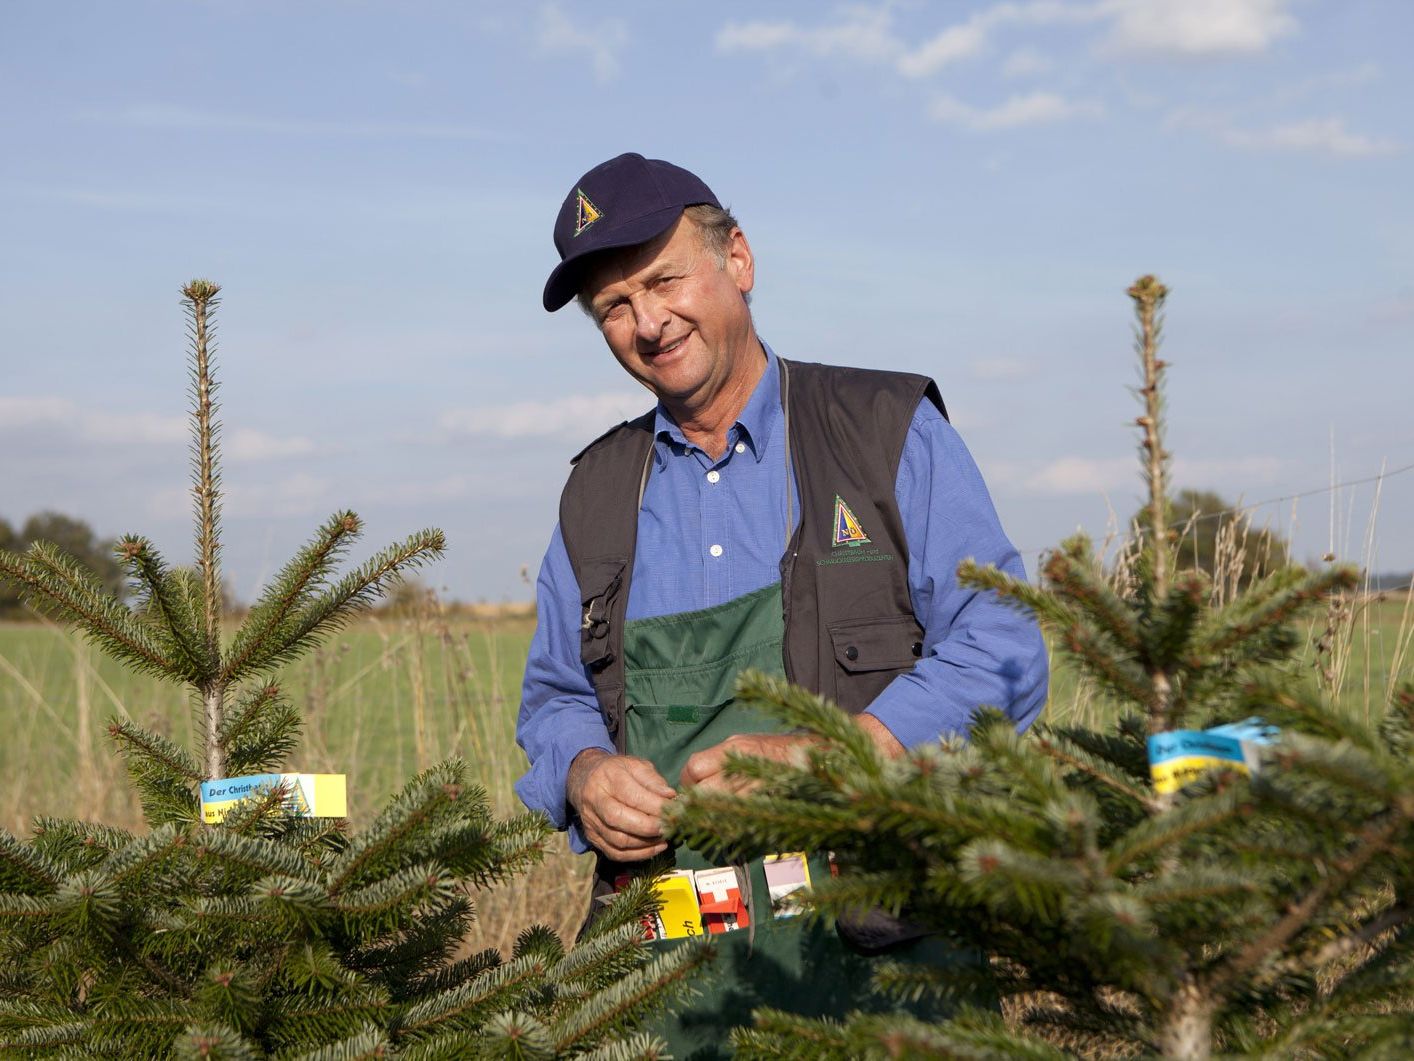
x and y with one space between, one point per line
959 189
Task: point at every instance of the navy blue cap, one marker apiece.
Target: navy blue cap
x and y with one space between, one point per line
620 203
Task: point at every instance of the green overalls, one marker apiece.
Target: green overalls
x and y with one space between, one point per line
680 673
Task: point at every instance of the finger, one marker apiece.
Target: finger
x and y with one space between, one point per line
629 822
627 854
703 764
609 839
624 791
648 777
724 783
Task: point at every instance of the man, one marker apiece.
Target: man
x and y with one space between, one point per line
787 516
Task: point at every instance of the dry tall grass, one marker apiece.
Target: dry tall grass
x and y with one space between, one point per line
402 690
387 697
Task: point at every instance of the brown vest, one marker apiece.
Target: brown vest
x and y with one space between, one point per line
849 621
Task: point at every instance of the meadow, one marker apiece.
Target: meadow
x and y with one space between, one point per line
389 696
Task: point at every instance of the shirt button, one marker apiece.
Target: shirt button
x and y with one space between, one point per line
713 476
716 550
741 447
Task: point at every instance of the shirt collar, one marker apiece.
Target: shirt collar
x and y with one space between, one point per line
753 427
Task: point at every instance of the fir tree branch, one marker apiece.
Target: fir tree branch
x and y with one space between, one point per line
370 1042
152 755
650 986
24 868
45 574
212 1042
254 854
305 573
353 593
77 844
456 1008
161 596
798 708
1070 573
1099 656
386 904
419 804
1163 832
1019 593
260 731
595 961
1375 838
199 297
1241 621
1354 941
642 1046
1065 751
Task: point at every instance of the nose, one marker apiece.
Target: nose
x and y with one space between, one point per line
650 316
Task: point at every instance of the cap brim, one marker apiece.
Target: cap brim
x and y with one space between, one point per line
566 277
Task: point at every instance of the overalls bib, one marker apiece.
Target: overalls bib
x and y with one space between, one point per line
680 673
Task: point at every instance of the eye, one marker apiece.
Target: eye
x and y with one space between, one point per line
612 313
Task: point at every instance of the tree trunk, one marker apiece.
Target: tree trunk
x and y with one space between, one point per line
1188 1031
213 702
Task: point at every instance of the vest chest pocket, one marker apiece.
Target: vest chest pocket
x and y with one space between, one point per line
869 653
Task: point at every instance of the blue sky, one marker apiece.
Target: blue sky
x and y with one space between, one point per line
961 189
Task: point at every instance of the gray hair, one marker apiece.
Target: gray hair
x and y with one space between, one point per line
714 229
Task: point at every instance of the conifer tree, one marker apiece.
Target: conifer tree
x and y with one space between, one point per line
1248 915
270 934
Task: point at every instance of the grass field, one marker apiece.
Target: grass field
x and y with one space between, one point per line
387 697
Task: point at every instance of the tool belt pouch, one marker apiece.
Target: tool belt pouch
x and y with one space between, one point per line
876 931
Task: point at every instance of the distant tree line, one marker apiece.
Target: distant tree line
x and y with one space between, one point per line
75 537
1219 539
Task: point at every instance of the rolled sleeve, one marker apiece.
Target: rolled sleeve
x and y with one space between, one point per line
559 712
978 651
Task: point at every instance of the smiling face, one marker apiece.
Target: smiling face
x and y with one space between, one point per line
677 320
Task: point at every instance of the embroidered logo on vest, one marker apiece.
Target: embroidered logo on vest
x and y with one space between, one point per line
586 213
847 528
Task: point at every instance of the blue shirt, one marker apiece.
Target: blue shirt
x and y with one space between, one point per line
710 531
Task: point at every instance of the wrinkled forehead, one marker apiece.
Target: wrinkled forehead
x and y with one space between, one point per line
676 249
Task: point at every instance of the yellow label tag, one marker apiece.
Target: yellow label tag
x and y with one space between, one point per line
306 795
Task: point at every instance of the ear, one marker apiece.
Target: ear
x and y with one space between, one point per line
741 265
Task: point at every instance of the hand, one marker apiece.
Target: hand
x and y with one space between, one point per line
620 800
706 769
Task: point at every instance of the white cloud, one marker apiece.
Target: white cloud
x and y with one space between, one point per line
162 116
858 34
1323 136
101 427
868 34
1074 475
90 425
1222 471
1181 28
1026 62
1081 475
250 445
299 494
601 41
577 416
962 41
1032 109
1196 28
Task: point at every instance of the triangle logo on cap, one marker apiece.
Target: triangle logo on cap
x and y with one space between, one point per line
586 213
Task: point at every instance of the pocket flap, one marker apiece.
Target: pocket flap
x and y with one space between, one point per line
600 580
890 643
